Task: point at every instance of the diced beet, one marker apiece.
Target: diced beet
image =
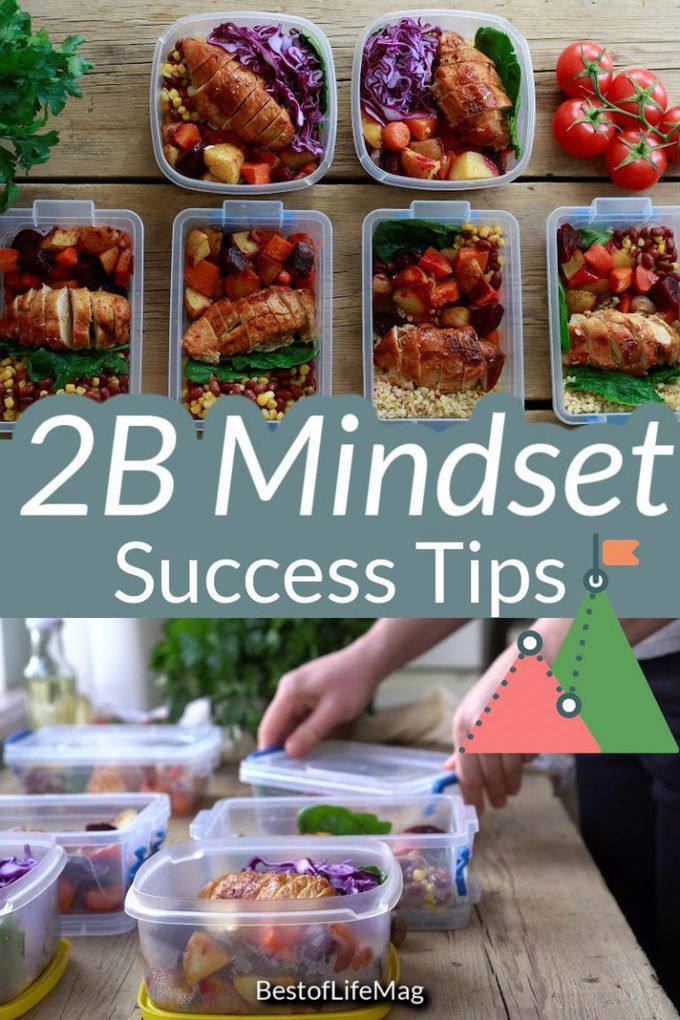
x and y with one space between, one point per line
486 318
90 272
301 259
391 162
191 163
568 240
665 294
282 173
424 829
36 261
27 239
403 259
232 259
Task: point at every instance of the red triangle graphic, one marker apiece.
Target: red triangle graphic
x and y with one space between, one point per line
522 716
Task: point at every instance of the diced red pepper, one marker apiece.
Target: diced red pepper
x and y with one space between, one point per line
432 261
581 278
256 173
277 248
643 279
186 135
123 270
446 293
412 276
67 258
9 260
469 254
240 285
203 277
598 259
625 302
620 279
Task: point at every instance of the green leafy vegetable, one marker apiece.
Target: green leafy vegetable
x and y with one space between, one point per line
340 821
590 236
243 365
497 45
564 318
36 79
618 387
392 236
66 367
323 98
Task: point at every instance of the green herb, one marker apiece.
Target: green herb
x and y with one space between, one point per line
243 365
323 97
340 821
238 662
590 236
68 366
565 339
618 387
497 45
391 236
36 79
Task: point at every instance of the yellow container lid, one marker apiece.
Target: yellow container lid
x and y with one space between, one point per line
375 1012
41 987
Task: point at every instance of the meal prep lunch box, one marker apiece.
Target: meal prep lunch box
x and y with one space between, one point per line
601 214
47 213
233 216
29 921
102 862
437 891
177 760
202 25
207 955
455 213
337 767
466 24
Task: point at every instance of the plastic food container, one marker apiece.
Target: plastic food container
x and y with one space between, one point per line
47 213
466 24
202 25
601 214
101 864
234 216
29 915
337 767
510 329
437 893
206 956
176 760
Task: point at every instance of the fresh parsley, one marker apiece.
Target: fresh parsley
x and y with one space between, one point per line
497 45
36 79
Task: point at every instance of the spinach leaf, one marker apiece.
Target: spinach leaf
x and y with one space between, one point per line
340 821
391 236
323 97
565 340
243 365
591 236
68 366
497 45
617 387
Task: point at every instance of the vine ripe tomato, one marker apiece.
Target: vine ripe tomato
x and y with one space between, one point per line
635 160
640 94
577 64
670 125
583 128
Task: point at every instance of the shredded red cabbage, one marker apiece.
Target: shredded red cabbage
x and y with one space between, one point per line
13 868
396 71
292 71
343 876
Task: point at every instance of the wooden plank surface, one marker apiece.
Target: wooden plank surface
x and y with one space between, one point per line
546 942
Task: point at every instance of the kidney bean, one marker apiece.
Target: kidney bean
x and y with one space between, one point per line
249 393
665 266
496 280
46 384
114 390
633 235
195 393
214 387
105 392
94 395
284 394
259 388
647 260
483 244
296 392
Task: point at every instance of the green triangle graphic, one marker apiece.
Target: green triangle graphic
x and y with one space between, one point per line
618 706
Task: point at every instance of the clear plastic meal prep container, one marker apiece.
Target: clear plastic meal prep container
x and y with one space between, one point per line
437 891
466 24
177 760
601 214
29 914
101 864
234 943
510 329
47 213
202 25
233 216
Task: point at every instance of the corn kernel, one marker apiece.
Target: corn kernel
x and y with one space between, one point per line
262 399
176 55
177 102
9 403
69 388
304 370
95 380
271 405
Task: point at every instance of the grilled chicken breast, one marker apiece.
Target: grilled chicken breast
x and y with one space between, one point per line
231 97
268 319
448 360
67 319
254 885
626 341
470 93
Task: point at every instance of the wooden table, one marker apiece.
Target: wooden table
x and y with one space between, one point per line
106 152
546 942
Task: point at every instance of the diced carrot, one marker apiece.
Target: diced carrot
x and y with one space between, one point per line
265 156
446 293
186 135
421 127
9 259
203 277
67 894
308 169
432 261
267 268
105 899
123 270
471 254
643 279
599 259
277 248
67 258
396 135
625 302
256 173
620 279
240 285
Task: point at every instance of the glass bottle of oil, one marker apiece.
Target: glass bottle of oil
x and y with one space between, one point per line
51 684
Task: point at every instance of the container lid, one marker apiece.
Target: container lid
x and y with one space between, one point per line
348 766
151 1012
42 986
122 743
65 815
51 858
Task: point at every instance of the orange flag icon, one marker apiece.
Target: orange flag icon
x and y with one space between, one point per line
620 552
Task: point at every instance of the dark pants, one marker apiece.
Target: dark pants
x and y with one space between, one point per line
630 818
